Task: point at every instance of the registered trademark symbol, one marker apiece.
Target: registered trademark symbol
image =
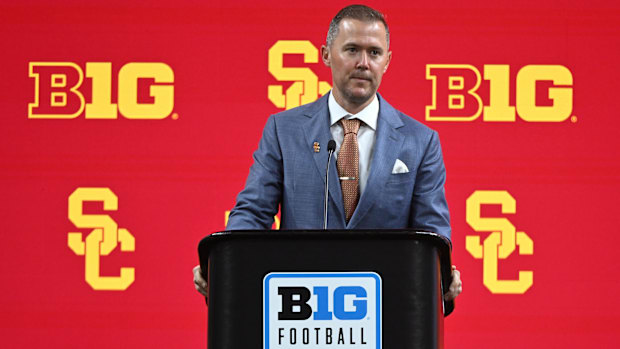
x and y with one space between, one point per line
175 116
573 118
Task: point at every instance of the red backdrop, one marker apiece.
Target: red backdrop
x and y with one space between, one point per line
176 154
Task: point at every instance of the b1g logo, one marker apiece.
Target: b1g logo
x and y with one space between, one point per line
455 95
145 91
322 310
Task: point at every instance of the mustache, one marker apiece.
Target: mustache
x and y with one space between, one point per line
359 75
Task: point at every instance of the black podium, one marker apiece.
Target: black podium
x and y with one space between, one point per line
326 289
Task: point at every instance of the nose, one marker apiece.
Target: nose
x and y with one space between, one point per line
362 62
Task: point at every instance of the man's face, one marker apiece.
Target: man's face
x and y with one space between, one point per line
358 57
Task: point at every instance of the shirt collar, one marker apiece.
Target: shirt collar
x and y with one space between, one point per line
368 115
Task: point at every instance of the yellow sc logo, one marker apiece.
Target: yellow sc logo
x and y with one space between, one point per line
102 240
306 87
500 244
56 94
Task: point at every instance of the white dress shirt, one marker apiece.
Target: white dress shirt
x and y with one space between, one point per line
365 135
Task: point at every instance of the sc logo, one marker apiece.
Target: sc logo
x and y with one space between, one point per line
295 303
500 244
104 238
306 86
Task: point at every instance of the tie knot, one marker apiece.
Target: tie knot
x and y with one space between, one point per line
350 126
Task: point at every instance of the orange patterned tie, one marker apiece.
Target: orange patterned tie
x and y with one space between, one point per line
348 166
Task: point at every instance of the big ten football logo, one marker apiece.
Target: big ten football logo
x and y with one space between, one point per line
295 303
306 86
145 91
102 240
455 95
275 225
500 244
322 310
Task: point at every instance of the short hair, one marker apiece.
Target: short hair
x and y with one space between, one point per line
359 12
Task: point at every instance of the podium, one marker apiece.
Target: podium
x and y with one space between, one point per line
326 288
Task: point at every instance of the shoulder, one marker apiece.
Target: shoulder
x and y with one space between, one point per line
404 123
301 113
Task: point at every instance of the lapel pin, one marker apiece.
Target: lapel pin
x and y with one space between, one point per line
317 147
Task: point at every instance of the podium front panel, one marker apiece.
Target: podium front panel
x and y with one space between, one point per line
409 270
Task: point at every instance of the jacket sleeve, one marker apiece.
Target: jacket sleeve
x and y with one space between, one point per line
258 202
429 209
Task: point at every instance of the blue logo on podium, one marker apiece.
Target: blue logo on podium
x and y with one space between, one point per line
322 310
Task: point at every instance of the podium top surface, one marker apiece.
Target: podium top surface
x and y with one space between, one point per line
441 241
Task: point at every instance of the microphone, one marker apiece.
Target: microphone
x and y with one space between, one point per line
331 147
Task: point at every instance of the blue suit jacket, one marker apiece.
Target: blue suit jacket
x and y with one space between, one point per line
287 172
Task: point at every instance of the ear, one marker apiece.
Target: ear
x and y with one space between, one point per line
389 59
325 55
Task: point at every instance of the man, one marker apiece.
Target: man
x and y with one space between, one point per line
390 166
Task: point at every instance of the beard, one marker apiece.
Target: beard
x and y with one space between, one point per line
357 98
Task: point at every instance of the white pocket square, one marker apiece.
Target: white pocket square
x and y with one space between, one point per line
399 167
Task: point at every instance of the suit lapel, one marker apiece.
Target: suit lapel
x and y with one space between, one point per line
316 129
387 147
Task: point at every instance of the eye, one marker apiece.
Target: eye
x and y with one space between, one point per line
375 52
351 49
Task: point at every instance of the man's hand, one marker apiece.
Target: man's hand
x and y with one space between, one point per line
456 287
199 282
